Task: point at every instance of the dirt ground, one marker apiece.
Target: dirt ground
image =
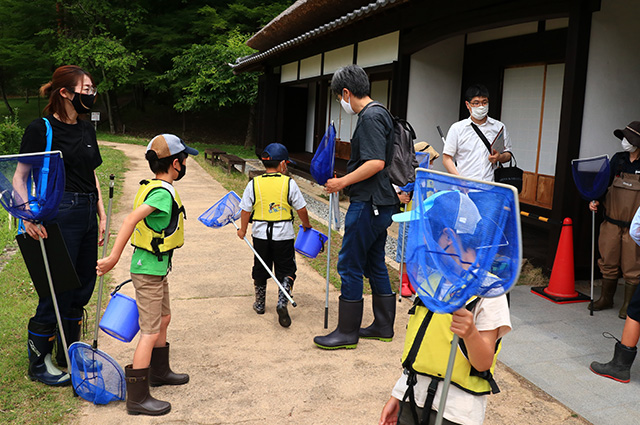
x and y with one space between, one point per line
246 368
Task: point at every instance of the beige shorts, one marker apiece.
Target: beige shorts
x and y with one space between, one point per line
152 297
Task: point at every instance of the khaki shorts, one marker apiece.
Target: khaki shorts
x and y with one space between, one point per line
152 297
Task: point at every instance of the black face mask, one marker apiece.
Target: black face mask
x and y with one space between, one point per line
181 172
82 103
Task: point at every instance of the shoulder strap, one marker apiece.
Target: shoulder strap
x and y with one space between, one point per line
482 137
44 173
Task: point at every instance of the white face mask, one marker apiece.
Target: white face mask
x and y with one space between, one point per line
627 147
347 106
479 112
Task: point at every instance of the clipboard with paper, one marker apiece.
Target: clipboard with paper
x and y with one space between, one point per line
498 141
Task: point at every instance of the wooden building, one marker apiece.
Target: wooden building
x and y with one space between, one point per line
563 74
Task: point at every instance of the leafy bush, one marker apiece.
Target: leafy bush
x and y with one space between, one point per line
10 135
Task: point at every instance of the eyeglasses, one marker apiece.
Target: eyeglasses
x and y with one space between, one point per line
479 103
90 90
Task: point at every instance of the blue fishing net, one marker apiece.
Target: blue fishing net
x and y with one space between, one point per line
465 239
591 176
222 212
32 185
324 159
95 376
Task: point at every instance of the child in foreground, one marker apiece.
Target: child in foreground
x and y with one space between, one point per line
480 325
268 202
156 228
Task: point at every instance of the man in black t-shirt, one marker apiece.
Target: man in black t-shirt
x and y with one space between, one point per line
372 202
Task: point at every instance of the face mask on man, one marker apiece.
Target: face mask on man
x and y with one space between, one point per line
347 106
82 103
479 112
628 147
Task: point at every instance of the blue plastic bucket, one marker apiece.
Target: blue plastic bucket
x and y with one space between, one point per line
120 319
310 243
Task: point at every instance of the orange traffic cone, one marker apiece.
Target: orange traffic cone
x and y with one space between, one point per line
561 287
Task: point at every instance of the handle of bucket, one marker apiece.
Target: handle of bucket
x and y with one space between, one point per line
321 242
117 288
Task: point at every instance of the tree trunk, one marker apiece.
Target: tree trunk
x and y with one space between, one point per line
6 101
26 95
111 127
249 138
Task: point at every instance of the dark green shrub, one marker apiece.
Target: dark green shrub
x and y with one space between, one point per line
10 135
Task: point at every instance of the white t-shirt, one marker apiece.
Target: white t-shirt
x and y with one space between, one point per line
469 151
282 230
462 407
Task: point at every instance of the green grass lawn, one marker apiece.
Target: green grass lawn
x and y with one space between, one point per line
23 401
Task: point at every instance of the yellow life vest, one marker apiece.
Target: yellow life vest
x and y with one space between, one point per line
159 241
433 347
271 192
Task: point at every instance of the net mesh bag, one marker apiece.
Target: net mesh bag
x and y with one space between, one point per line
95 376
223 212
464 240
591 176
323 160
32 185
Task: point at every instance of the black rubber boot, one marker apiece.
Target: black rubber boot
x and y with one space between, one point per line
384 315
629 290
160 372
347 333
72 326
619 367
606 295
283 314
40 345
139 401
261 295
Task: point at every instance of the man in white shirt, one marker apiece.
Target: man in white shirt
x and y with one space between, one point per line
464 151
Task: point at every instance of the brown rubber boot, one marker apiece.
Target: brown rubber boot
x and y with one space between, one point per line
160 372
629 290
606 295
139 401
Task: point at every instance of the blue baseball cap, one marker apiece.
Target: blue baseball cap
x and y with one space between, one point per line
276 152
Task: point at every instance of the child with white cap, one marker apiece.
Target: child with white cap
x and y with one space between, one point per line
156 228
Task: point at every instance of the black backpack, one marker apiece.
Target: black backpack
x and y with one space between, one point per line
403 166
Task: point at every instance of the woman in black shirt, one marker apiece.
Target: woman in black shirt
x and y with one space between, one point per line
71 92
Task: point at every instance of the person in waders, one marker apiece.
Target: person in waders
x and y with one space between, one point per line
268 202
625 350
481 324
372 202
619 254
155 228
81 215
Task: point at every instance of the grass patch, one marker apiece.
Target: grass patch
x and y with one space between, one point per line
531 276
23 401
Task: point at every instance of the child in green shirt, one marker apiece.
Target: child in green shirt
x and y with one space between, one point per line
155 228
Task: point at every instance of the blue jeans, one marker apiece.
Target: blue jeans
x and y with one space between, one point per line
77 218
362 252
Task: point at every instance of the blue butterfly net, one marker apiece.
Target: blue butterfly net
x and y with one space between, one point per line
222 212
591 176
324 159
96 376
465 240
32 185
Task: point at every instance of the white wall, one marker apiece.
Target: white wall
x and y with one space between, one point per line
434 91
613 79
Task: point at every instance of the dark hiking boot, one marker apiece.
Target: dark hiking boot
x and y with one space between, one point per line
606 295
160 372
139 401
629 290
40 345
72 326
384 315
619 367
347 333
261 295
283 314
